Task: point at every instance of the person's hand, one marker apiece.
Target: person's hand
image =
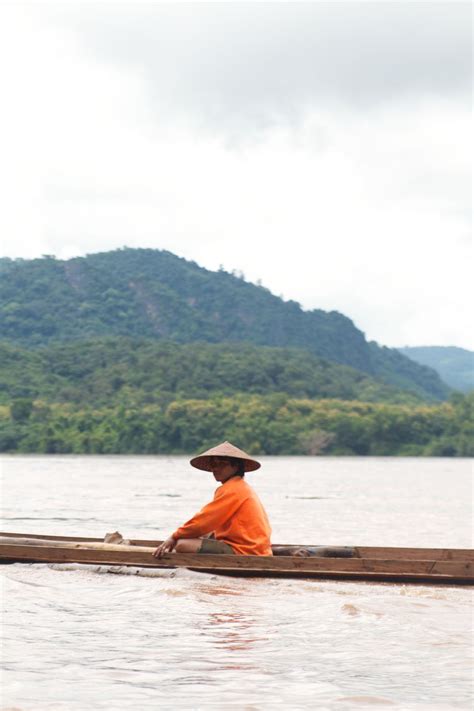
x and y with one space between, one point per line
166 547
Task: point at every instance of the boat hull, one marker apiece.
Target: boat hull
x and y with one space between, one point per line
434 566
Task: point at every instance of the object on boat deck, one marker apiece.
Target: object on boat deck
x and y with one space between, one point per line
425 565
315 551
117 538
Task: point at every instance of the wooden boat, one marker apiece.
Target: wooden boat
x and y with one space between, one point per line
413 565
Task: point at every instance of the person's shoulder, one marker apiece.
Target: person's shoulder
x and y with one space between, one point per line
240 486
236 486
238 482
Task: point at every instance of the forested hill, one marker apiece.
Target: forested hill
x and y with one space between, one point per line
454 365
118 371
143 293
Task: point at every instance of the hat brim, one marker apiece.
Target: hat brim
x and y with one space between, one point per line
205 462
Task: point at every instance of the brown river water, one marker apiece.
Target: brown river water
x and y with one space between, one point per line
78 638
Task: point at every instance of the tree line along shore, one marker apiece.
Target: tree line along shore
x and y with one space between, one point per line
263 424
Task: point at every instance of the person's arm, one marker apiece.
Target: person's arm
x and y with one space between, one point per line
225 504
165 547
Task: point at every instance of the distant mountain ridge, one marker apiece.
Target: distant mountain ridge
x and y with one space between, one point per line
145 293
454 365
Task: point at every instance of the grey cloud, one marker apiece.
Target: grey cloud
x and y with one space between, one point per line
261 63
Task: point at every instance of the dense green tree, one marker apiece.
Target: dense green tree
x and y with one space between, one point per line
21 409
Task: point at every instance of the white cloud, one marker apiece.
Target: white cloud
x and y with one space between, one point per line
363 211
243 65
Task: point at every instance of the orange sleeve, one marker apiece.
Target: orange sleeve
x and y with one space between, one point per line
211 516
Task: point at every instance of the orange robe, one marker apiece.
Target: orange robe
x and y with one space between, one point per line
235 516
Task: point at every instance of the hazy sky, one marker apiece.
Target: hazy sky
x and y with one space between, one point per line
323 148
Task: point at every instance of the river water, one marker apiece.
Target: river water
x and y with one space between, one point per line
79 638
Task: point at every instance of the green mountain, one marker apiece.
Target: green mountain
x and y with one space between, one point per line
144 293
454 365
119 371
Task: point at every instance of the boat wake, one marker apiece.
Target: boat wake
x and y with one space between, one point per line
127 570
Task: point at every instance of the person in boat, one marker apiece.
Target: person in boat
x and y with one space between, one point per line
234 522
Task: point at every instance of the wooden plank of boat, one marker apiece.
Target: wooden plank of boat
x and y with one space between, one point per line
415 553
372 552
454 572
320 551
278 549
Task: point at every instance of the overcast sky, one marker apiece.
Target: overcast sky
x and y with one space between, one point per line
323 148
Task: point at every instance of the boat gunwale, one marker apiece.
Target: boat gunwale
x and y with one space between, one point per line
362 552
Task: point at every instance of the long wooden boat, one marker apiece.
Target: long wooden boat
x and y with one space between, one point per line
411 565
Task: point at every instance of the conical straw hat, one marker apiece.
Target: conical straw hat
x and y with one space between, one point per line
226 449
